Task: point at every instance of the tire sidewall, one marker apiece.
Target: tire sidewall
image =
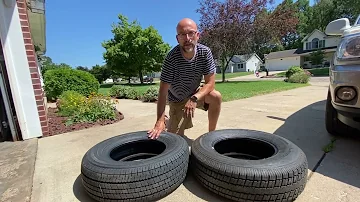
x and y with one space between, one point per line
99 155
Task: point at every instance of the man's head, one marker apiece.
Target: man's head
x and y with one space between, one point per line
187 34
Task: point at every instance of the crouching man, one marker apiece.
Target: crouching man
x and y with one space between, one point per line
181 75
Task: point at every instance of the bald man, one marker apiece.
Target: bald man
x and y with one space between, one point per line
183 69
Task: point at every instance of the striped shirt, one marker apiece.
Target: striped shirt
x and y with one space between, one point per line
183 75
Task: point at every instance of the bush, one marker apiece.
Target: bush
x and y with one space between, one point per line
151 94
64 79
121 91
292 70
299 77
81 109
69 102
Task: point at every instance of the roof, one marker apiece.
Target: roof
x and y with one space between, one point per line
283 54
243 58
307 36
295 52
240 58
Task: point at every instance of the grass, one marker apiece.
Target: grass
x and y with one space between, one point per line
320 71
281 74
329 147
233 90
245 89
231 75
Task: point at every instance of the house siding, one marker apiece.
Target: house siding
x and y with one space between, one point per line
32 61
252 64
332 41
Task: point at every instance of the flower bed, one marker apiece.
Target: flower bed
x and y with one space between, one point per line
75 112
57 123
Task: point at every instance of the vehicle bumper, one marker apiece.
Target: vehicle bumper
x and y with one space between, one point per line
346 75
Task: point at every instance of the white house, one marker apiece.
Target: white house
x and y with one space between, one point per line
282 60
242 63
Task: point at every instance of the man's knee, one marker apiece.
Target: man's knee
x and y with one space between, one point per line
214 97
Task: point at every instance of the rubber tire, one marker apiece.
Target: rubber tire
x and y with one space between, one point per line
281 177
105 179
333 125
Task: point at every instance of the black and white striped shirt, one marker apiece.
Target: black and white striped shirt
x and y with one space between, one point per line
183 75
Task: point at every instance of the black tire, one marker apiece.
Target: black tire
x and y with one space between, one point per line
106 179
267 168
333 125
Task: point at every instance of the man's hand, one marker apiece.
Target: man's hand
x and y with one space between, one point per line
189 108
156 131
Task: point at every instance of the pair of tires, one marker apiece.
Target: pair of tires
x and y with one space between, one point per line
241 165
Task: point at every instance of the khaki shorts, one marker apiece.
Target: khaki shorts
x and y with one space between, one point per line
177 115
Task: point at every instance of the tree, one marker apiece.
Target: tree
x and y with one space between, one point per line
101 73
133 50
227 27
82 68
317 57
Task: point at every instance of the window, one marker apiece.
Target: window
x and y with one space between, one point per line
240 66
315 44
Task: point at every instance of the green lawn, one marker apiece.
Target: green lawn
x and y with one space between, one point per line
244 89
320 71
231 75
233 90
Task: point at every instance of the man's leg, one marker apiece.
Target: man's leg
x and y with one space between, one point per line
212 104
177 121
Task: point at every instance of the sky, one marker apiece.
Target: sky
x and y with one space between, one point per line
76 29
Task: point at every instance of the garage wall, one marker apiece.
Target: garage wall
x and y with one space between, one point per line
22 69
34 70
281 64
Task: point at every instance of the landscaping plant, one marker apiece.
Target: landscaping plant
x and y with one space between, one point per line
151 94
292 70
65 79
80 109
299 77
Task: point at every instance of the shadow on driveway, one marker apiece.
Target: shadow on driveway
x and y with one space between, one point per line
306 128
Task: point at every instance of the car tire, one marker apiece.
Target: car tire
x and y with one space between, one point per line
247 165
113 169
333 125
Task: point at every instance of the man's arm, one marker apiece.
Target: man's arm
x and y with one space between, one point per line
209 77
162 101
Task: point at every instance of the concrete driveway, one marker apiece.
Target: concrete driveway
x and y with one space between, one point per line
297 115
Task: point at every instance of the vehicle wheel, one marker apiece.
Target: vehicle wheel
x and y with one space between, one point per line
333 125
247 165
132 167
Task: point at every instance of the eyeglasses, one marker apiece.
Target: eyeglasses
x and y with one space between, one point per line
190 35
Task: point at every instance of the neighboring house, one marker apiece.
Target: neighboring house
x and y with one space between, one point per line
282 60
22 100
242 63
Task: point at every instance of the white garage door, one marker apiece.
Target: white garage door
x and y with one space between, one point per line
280 64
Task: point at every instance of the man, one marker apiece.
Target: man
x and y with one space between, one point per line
180 79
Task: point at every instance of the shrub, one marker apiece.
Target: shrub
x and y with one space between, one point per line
81 109
65 79
69 102
292 70
151 94
299 77
121 91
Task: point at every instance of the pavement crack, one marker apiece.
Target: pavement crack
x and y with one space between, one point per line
316 166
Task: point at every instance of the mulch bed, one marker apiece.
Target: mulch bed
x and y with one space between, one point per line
57 123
